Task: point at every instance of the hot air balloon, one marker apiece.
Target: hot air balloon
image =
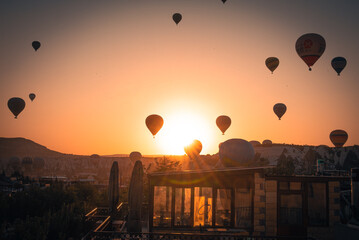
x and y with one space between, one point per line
32 96
194 149
135 156
154 123
272 63
235 152
338 137
177 17
279 109
224 1
255 143
36 45
223 122
339 64
26 162
267 143
310 47
16 105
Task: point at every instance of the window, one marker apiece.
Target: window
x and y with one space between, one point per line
243 206
183 207
223 207
317 204
203 202
162 206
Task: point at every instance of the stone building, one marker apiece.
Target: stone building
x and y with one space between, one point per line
244 201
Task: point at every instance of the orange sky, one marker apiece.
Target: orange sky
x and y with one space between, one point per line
104 67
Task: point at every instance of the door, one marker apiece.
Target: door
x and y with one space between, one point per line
291 212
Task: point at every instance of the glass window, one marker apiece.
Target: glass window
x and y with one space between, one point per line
223 207
291 209
243 207
203 200
317 203
162 206
183 207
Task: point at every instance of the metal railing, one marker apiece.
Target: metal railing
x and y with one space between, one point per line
185 236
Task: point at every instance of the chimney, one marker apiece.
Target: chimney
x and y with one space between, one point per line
355 192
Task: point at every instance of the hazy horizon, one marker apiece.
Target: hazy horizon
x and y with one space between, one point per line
103 67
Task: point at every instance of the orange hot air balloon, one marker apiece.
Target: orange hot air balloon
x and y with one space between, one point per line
338 137
223 122
194 149
154 123
310 48
272 63
279 109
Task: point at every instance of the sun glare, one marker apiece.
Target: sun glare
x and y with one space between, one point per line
180 129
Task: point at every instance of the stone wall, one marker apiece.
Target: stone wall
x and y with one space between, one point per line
271 207
259 205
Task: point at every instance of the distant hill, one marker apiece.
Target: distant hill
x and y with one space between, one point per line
22 147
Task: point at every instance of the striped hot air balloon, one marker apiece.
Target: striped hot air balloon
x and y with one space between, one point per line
339 63
310 48
338 137
272 63
267 143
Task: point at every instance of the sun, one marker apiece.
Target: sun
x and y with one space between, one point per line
180 129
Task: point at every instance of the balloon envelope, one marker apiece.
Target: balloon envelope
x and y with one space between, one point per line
338 137
135 156
339 64
154 123
310 47
177 17
255 143
234 152
272 63
223 122
267 143
16 105
279 109
36 45
194 149
224 1
32 96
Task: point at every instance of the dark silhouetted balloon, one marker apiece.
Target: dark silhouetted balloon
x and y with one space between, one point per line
272 63
255 143
194 149
177 17
234 152
154 123
32 96
267 143
338 137
310 48
135 156
339 64
224 1
36 45
16 105
279 109
223 122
